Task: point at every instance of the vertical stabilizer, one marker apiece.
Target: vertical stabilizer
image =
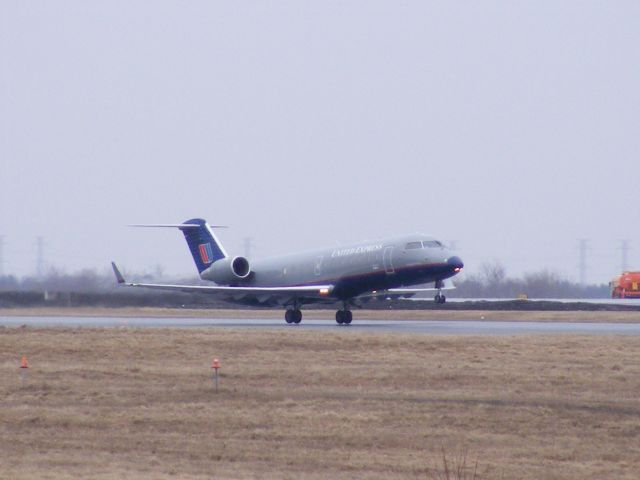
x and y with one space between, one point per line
203 244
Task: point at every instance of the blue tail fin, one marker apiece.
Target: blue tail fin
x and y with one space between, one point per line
205 247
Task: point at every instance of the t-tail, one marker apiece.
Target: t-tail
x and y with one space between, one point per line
204 246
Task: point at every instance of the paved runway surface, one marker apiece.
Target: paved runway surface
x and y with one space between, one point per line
623 302
457 327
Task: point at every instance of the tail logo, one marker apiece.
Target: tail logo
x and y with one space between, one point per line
206 254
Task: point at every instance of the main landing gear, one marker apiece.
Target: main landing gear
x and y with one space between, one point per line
344 317
293 316
439 298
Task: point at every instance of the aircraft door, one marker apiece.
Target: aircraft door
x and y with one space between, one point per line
387 260
317 269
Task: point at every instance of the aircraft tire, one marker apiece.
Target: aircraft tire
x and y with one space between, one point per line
288 316
297 316
348 317
340 317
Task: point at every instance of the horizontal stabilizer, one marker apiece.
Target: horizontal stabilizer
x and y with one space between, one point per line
173 225
205 248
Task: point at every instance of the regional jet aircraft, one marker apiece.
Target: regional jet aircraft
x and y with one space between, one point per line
349 275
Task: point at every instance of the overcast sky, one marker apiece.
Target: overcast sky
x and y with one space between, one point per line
512 128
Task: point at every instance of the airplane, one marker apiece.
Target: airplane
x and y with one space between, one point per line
349 275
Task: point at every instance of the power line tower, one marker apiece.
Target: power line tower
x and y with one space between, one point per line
248 244
40 257
583 246
1 256
624 249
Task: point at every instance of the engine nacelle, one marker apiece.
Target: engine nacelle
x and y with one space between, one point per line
228 271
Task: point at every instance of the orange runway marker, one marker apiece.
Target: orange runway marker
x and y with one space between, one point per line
24 365
216 366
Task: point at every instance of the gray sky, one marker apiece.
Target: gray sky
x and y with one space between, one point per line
510 127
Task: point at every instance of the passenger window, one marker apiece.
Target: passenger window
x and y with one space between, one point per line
413 245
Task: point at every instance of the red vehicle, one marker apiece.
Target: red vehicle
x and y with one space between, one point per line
626 285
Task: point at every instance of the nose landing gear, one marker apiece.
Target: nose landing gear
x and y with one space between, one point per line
440 298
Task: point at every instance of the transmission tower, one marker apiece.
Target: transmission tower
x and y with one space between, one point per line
583 246
40 257
624 249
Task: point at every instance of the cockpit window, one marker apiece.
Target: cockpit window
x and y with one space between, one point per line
431 244
413 245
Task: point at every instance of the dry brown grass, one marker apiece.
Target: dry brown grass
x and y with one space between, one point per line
488 315
139 403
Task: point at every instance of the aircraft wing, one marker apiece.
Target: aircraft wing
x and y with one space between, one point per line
395 293
259 295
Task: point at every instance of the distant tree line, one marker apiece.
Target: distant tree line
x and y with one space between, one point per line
83 281
86 280
492 282
90 288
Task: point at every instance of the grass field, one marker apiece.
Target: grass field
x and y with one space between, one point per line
139 403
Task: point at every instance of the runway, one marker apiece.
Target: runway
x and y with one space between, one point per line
455 327
623 302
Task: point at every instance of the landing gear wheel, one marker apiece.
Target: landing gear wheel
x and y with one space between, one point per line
439 298
293 316
344 317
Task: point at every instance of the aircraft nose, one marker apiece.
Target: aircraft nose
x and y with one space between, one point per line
455 262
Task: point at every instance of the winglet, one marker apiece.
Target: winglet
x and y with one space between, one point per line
119 276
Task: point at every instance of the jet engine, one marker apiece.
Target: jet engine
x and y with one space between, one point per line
228 271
